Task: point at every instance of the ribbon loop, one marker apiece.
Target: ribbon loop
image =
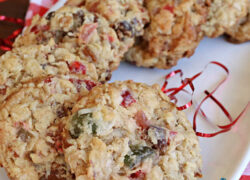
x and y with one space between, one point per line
172 92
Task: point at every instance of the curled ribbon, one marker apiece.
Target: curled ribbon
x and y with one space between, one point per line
6 43
171 92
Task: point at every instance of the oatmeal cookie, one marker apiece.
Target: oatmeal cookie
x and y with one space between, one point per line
128 130
82 33
35 61
241 31
127 17
30 130
174 32
222 15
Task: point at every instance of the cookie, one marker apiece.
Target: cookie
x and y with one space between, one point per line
127 17
82 33
30 130
241 31
222 15
36 61
128 130
173 33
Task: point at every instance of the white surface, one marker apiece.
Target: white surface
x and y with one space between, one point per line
225 155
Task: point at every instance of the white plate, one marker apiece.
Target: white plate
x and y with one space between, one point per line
225 155
228 154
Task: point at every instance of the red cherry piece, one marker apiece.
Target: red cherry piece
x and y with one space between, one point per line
77 67
87 32
141 120
138 175
111 38
169 8
48 80
58 146
127 99
34 29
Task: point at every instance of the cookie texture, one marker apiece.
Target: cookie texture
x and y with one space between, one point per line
173 33
82 33
223 15
128 130
126 17
25 63
30 130
240 32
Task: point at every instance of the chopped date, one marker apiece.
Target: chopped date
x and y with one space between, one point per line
159 135
23 135
124 29
3 90
55 175
50 15
62 112
198 175
78 19
77 67
59 35
138 154
127 99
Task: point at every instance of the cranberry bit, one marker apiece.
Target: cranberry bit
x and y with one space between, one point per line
127 99
111 39
48 80
77 67
89 84
138 174
169 8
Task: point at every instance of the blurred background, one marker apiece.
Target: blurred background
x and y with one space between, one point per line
11 8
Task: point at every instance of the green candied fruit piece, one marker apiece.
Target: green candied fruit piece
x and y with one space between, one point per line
77 124
138 154
94 128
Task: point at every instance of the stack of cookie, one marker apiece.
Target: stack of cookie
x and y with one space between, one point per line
54 122
59 119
